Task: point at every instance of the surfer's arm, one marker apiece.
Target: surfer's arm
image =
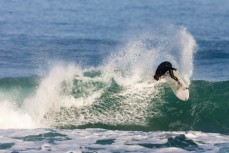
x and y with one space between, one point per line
173 69
172 75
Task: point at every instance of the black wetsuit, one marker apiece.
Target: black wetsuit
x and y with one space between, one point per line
164 67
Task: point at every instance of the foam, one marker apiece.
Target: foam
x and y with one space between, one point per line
84 140
12 117
131 68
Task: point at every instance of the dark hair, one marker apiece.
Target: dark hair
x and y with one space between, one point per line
156 77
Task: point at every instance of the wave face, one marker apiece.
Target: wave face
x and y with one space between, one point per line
87 101
205 110
120 93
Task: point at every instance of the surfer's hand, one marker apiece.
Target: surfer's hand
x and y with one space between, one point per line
175 69
179 83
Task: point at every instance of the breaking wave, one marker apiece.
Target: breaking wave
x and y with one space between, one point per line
120 93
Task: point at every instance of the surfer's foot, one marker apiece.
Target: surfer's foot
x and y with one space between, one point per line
186 88
179 84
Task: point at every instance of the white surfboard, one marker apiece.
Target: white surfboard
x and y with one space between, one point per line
180 90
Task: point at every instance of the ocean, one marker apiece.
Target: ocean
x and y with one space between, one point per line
77 76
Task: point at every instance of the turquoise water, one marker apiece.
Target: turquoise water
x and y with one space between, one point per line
205 110
78 76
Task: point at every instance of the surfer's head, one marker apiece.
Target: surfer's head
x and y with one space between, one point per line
156 77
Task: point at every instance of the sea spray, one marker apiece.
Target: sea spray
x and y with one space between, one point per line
13 92
121 91
48 97
14 117
84 99
187 50
140 57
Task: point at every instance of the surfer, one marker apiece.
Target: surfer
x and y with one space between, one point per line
163 68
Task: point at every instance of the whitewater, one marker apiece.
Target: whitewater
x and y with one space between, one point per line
119 91
77 76
118 94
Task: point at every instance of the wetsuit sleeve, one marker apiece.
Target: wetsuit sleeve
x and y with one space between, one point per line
172 68
172 75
